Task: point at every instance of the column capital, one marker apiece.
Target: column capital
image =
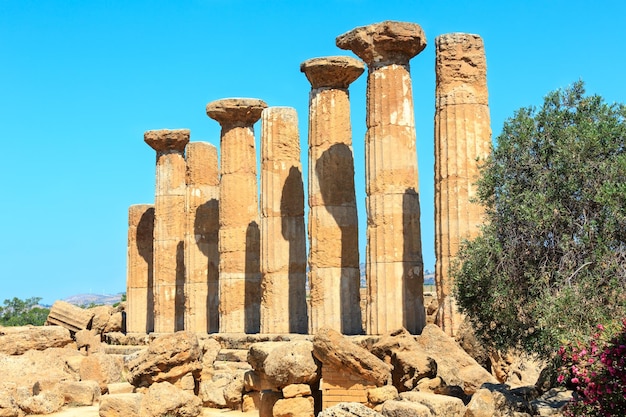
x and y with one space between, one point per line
387 42
229 112
167 139
332 71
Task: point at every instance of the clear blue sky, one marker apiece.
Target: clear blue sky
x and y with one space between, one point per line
80 81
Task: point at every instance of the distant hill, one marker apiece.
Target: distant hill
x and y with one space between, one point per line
429 277
98 299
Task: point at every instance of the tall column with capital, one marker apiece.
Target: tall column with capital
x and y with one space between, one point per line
283 236
139 297
169 227
201 252
334 275
462 142
394 265
239 234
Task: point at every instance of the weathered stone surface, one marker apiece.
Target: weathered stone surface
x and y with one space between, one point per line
404 409
167 358
239 234
258 352
17 340
454 365
462 142
283 238
69 316
251 402
331 347
333 223
268 400
201 235
120 388
115 323
102 368
46 402
79 393
292 363
164 399
169 221
8 405
257 381
51 365
296 390
120 405
394 266
101 316
551 402
89 340
349 410
212 390
379 395
497 400
139 272
438 405
294 407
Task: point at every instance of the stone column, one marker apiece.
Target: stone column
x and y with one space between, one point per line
139 301
169 228
201 252
462 142
394 265
239 235
283 237
334 274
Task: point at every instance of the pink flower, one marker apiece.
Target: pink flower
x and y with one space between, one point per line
575 380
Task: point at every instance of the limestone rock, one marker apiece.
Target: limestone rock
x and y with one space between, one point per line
101 316
379 395
46 402
498 401
454 365
251 402
164 399
115 323
349 410
120 405
210 350
268 400
438 405
292 363
120 388
404 409
294 407
551 402
8 405
258 352
17 340
212 391
69 316
79 393
296 390
233 391
331 347
89 340
257 381
102 368
167 358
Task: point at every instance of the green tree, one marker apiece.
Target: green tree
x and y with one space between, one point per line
17 312
550 262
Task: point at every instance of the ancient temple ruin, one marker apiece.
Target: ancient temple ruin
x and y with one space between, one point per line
218 253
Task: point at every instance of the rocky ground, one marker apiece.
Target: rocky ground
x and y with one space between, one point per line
85 366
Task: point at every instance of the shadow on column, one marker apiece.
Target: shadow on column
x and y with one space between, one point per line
145 247
413 265
292 229
206 230
252 280
179 301
335 173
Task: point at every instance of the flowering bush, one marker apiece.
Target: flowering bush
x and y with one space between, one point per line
597 374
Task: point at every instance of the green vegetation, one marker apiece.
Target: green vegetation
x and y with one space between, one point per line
550 263
16 312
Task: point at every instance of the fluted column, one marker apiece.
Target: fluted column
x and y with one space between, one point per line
283 238
201 234
169 227
139 297
334 275
394 265
239 235
462 142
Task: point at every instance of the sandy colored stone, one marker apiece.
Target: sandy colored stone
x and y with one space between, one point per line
283 238
164 399
349 409
120 405
394 267
333 222
238 215
251 402
294 407
19 339
395 408
438 405
292 363
169 225
71 317
79 393
268 400
296 390
102 368
42 403
168 358
330 347
201 235
462 143
120 388
381 394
